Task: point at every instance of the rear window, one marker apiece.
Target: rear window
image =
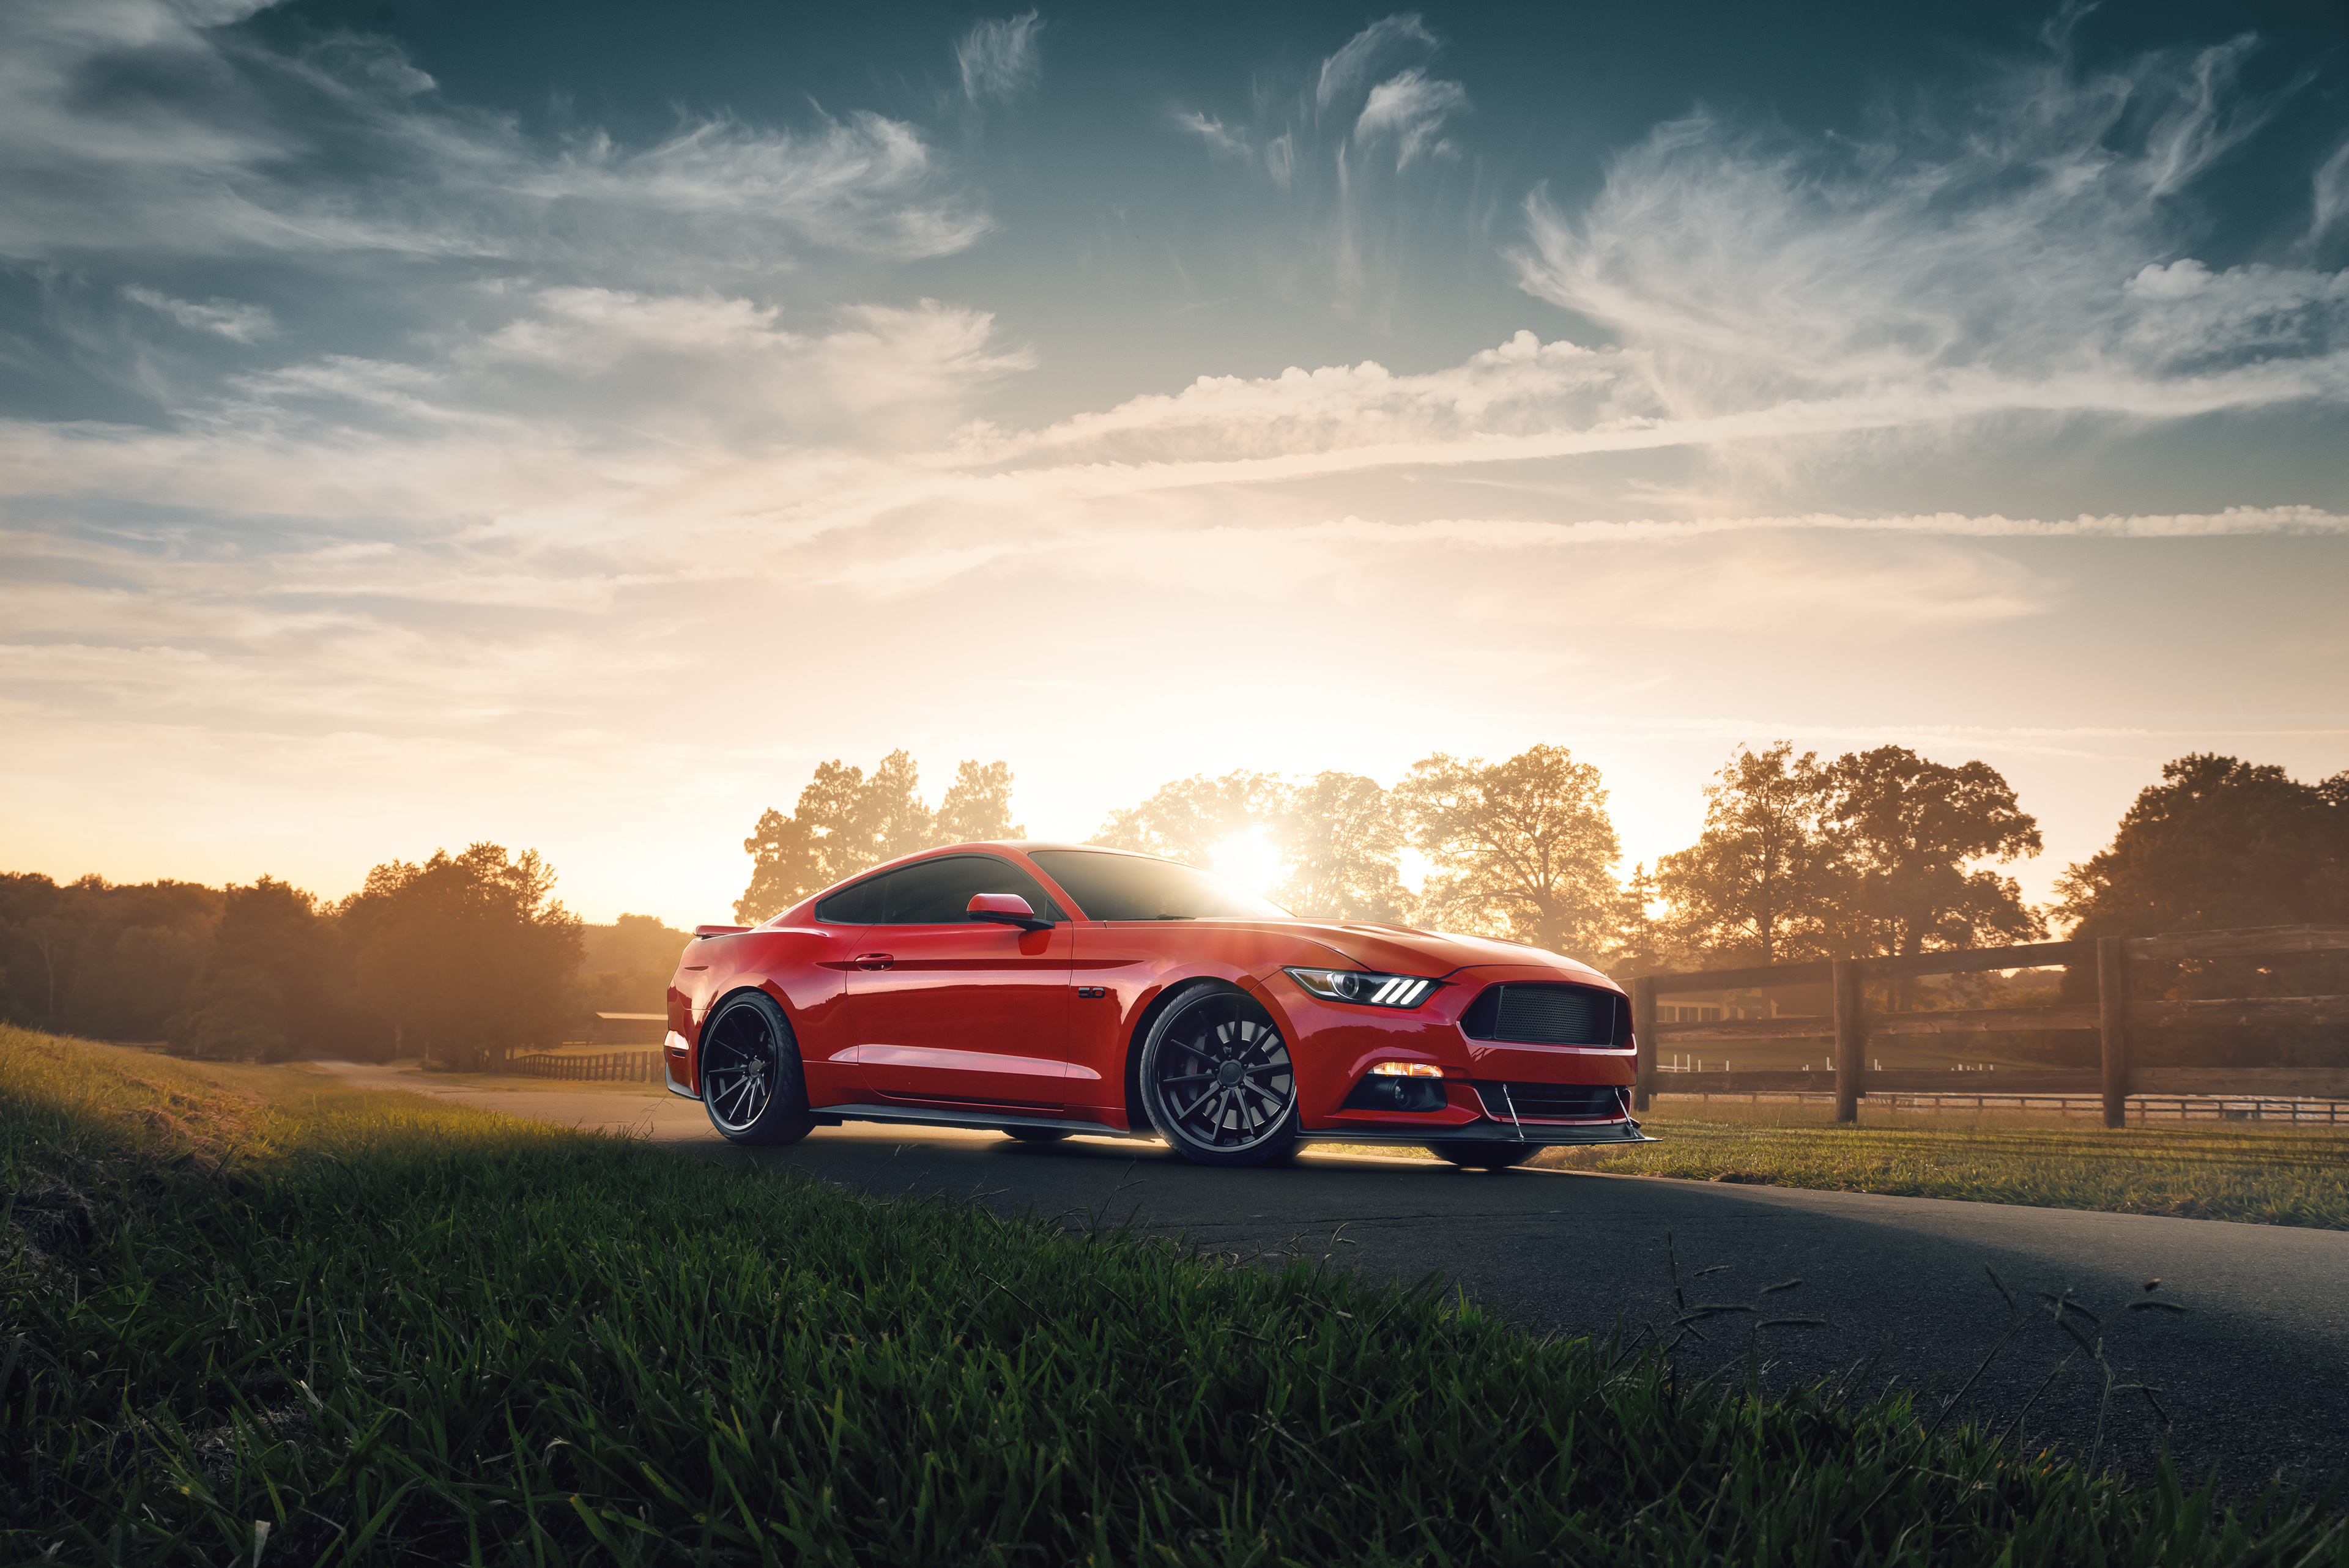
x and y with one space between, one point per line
1134 887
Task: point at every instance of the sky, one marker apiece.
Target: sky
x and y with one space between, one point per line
565 425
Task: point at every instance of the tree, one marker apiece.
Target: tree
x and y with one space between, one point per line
1904 831
1523 846
1341 843
845 821
464 956
977 806
275 985
1758 886
2220 844
2217 844
1186 819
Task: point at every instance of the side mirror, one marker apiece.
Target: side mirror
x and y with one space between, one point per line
1006 909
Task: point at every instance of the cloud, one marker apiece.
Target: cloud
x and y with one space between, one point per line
1410 109
1000 61
236 321
1345 157
1211 131
144 128
1343 73
2027 256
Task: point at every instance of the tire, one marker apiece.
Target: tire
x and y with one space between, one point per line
1036 1134
1485 1156
751 1085
1216 1079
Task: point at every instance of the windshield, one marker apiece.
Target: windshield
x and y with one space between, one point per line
1129 887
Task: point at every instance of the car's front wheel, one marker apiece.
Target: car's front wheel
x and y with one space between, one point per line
750 1079
1217 1081
1485 1156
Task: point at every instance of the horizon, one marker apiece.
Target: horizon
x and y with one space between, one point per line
566 428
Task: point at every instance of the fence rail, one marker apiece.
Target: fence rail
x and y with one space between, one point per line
2159 1108
606 1067
1852 1023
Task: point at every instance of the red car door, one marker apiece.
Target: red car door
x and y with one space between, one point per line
949 1011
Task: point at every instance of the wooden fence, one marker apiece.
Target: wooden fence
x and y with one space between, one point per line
606 1067
2113 1015
2144 1108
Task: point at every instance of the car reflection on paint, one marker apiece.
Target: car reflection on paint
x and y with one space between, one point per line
1049 990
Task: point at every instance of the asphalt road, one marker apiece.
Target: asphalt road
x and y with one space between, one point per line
2254 1375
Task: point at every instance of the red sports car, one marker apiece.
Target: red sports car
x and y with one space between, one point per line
1043 990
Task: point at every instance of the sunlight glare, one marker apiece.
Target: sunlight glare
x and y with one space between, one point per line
1250 859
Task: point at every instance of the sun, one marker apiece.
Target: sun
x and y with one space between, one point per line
1248 858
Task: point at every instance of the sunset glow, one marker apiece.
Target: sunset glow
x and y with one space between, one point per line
566 430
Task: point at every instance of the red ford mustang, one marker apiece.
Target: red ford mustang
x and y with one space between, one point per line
1044 990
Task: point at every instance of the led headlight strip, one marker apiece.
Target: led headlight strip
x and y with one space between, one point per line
1371 990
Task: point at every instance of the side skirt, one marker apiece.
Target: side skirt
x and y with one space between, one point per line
914 1115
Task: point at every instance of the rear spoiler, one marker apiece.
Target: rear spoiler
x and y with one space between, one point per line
701 931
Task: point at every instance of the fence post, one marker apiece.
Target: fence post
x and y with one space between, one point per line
2112 1018
1850 1038
1644 1033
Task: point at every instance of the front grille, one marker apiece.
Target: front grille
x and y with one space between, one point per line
1545 1015
1550 1101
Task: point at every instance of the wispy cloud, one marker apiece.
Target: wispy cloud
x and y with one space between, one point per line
2027 255
1410 109
139 126
999 59
1348 154
233 319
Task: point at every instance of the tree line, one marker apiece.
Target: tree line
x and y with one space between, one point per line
1872 852
463 957
459 957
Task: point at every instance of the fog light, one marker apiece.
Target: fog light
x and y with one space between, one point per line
1406 1070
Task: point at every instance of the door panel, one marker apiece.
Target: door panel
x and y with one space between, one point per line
972 1013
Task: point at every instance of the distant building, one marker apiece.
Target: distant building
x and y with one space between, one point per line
616 1030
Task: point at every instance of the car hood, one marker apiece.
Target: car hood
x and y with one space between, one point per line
1401 950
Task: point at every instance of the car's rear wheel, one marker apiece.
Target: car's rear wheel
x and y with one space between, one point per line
1485 1156
1217 1081
1036 1134
750 1079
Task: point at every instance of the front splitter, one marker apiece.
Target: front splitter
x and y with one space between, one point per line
1545 1135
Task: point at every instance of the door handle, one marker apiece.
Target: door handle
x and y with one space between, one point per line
875 960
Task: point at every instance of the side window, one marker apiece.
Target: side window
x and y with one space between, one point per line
938 892
856 905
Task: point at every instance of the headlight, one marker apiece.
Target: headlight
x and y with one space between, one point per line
1361 985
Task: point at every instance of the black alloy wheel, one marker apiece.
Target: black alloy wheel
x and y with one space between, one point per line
750 1081
1485 1156
1216 1079
1036 1134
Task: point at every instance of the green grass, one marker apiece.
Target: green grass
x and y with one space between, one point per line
392 1330
2265 1175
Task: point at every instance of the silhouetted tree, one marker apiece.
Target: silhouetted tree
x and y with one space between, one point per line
977 806
845 821
276 985
1186 819
2219 843
1760 885
464 956
1904 831
1340 839
1521 847
111 961
625 967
